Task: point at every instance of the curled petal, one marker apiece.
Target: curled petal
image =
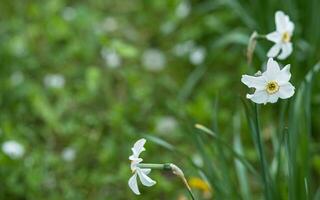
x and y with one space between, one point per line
274 51
260 96
145 180
284 75
286 91
138 147
286 50
133 184
257 82
274 37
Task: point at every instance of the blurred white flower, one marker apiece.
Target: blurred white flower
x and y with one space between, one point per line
281 37
54 81
271 85
69 14
110 24
17 78
166 124
68 154
168 27
197 160
111 58
183 48
197 55
18 45
153 60
141 173
13 149
183 9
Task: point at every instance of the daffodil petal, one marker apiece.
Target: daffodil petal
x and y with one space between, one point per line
274 51
280 19
290 27
257 82
286 50
286 91
273 98
284 75
274 37
146 171
260 96
272 71
138 147
133 184
145 180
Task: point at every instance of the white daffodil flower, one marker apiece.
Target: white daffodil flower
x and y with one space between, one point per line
281 37
271 84
141 173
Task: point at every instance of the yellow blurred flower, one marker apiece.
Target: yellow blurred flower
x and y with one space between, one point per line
182 197
198 183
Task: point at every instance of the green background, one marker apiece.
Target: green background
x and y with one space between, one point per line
102 110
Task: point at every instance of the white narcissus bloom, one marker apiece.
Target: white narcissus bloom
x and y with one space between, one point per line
137 171
271 84
281 37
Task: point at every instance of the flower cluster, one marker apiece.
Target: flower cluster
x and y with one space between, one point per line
269 86
274 82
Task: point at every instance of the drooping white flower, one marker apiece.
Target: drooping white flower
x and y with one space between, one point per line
281 37
13 149
271 84
137 148
54 81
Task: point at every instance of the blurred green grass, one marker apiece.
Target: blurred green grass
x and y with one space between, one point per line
73 75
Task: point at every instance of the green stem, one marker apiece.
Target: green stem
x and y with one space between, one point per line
260 36
151 166
263 161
